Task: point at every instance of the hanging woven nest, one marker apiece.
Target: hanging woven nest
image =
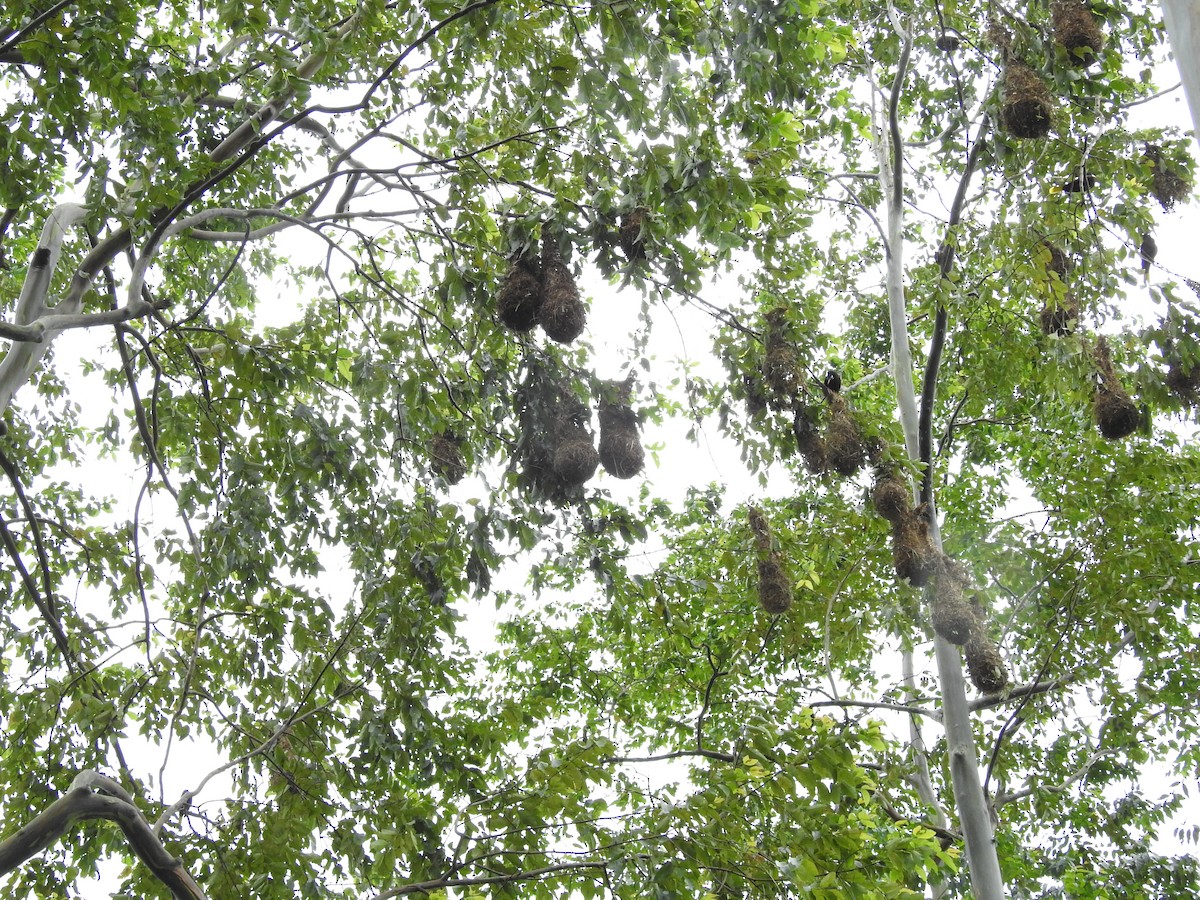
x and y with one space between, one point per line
621 451
520 297
780 363
952 616
562 314
891 497
445 456
1076 31
760 528
575 456
1166 184
809 441
1117 416
756 395
1184 381
774 589
1027 109
844 443
913 553
630 234
984 663
1060 318
1058 262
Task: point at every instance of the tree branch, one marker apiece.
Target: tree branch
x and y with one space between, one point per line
425 887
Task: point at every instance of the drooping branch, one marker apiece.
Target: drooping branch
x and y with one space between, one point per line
426 887
93 796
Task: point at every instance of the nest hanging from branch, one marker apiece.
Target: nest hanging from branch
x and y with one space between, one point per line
1184 381
780 363
621 451
1117 416
774 588
1060 318
630 234
847 452
985 666
913 554
891 497
809 441
445 455
562 314
555 449
1076 31
1058 262
760 528
1027 109
520 298
951 615
1166 184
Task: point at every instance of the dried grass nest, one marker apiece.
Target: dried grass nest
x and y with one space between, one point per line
631 234
1026 110
520 299
621 451
1166 184
445 455
1076 31
774 588
1060 318
1117 416
562 314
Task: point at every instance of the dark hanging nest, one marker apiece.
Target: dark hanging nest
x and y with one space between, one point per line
947 42
554 448
621 451
445 455
913 553
1116 414
575 456
891 497
952 616
1167 185
630 234
520 298
843 440
774 589
562 314
760 528
1076 31
1184 381
1026 109
809 441
984 663
780 369
1060 318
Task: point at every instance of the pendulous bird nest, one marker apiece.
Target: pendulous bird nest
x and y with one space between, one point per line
562 314
520 298
780 362
631 235
844 445
913 554
1167 185
891 497
760 528
1026 110
1184 381
1117 416
445 456
1060 318
1076 31
774 588
621 451
809 441
951 615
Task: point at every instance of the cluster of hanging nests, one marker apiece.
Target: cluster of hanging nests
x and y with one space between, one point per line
542 291
774 586
778 384
557 449
917 561
1027 110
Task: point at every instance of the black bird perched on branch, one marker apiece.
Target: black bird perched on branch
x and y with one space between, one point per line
1148 250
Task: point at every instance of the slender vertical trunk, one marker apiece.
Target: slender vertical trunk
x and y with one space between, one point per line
1183 28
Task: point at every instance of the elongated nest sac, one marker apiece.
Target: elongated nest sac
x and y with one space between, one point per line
891 497
780 363
760 528
913 554
1183 382
1060 318
774 589
621 451
844 441
1027 109
562 314
445 455
756 396
985 666
630 236
575 457
1166 184
520 298
1117 416
952 616
1076 31
809 442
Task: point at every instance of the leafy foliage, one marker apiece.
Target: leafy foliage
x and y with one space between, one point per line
283 492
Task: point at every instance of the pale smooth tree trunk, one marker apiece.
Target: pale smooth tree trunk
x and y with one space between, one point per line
1183 28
